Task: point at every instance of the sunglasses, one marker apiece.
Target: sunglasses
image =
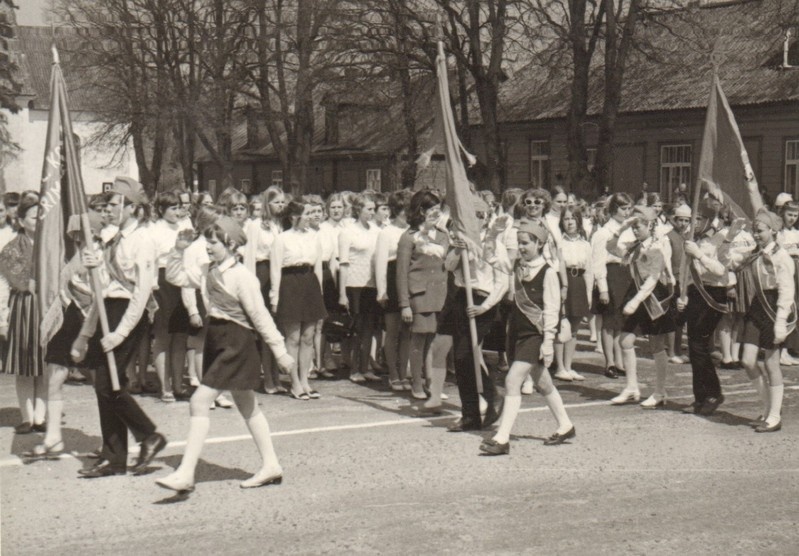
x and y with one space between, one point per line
481 215
534 202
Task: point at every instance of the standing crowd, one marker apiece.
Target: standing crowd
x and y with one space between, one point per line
226 297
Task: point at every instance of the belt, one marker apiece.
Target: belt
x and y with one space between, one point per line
297 269
575 271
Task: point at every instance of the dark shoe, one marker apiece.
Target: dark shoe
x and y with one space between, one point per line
491 417
41 427
23 428
430 411
620 372
43 451
462 425
693 408
149 449
556 438
610 372
183 396
766 428
757 422
729 365
710 406
491 447
101 470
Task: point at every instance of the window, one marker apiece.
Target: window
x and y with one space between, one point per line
591 157
277 178
675 167
246 186
792 166
373 179
539 164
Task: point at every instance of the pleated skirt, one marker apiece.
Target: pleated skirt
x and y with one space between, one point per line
23 355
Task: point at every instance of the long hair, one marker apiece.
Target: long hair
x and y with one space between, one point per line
269 194
578 218
421 202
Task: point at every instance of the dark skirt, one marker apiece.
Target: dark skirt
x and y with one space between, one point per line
60 344
23 355
262 271
524 339
168 298
364 308
497 337
576 302
329 289
619 281
300 296
230 357
641 324
179 320
758 326
392 305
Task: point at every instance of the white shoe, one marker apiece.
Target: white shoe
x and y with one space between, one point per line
575 375
599 350
444 396
626 396
176 482
563 375
264 477
654 401
676 360
483 406
194 383
527 386
223 402
685 359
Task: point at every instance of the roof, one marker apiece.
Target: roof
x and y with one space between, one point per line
36 59
749 50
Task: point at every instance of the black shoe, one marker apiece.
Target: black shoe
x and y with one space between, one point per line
24 428
610 372
693 408
766 428
41 427
464 425
100 470
620 372
183 396
149 449
491 447
710 405
430 411
729 365
491 417
556 438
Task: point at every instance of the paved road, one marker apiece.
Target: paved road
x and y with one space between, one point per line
363 476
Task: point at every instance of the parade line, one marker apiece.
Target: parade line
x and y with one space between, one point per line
16 460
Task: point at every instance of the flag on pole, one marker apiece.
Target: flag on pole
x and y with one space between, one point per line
724 167
445 141
61 206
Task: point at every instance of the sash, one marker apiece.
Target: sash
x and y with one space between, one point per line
770 311
224 300
654 307
115 273
527 306
700 287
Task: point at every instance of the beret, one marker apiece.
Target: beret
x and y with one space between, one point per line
682 211
534 227
129 188
232 229
770 219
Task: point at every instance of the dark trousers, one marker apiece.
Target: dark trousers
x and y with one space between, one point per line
464 358
119 412
702 321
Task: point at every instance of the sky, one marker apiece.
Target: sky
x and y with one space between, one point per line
30 11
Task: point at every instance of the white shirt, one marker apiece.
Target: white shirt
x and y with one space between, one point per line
294 248
357 246
164 235
489 271
788 239
386 251
600 255
6 234
329 233
260 236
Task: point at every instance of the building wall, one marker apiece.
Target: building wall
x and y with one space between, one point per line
28 128
640 139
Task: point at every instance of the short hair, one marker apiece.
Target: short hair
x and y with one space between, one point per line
235 198
578 217
421 202
359 201
399 201
380 199
538 193
11 199
27 200
313 199
559 190
652 198
510 197
164 200
214 231
205 217
332 198
618 200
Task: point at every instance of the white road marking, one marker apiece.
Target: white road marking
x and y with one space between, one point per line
13 460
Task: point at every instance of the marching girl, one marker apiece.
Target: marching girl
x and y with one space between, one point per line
788 239
575 256
612 279
770 318
296 292
19 319
534 321
236 313
169 350
261 234
646 304
422 293
397 336
357 292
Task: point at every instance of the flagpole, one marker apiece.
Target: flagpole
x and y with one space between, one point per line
73 173
467 280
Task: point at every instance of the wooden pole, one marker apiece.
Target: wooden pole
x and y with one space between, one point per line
472 324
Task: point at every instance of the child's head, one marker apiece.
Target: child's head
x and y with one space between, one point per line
532 235
224 237
644 223
399 202
571 221
425 207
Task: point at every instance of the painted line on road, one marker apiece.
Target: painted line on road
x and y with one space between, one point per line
16 460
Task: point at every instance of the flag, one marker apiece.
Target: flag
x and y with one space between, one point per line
724 167
62 204
445 141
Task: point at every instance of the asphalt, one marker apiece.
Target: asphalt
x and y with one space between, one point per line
363 475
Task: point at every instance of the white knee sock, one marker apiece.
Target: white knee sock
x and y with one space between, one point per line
775 396
555 404
661 362
509 413
198 431
437 377
54 412
763 392
259 429
630 368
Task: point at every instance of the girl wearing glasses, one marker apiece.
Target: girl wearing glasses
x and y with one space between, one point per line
612 278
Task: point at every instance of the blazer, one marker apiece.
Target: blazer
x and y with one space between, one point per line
421 278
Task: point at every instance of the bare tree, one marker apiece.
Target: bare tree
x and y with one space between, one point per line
10 84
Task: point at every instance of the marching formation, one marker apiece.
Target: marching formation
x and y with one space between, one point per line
236 293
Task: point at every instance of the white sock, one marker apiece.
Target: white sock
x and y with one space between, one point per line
509 413
775 395
661 362
198 431
555 404
259 429
54 413
631 368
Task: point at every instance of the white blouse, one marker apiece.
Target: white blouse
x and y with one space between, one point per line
386 251
357 247
293 248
